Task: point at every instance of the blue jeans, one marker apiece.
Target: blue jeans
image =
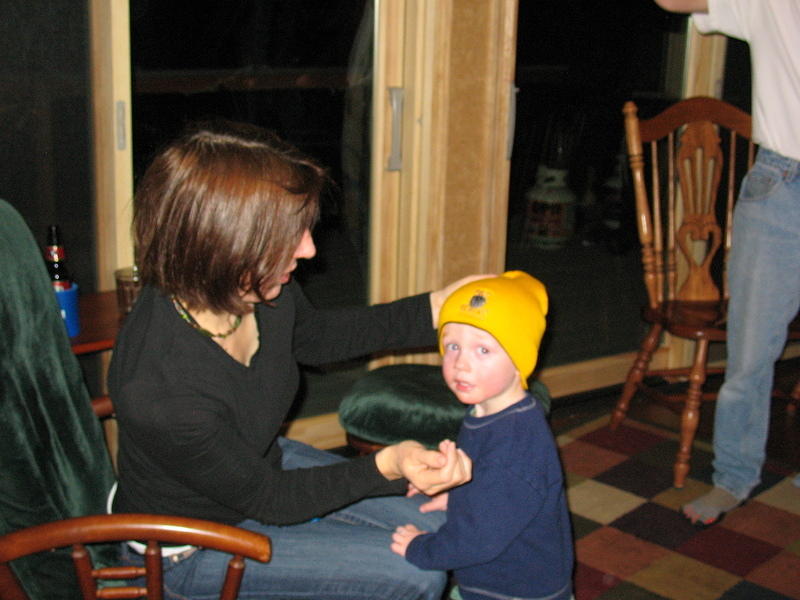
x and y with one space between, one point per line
764 279
342 556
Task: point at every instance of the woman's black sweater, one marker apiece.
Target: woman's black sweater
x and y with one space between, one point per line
198 430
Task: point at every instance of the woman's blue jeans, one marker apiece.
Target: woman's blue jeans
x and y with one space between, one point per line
764 279
342 556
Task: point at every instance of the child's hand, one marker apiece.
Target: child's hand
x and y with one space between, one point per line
402 537
438 502
412 491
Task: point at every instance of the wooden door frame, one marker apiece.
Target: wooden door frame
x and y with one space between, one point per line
113 153
439 211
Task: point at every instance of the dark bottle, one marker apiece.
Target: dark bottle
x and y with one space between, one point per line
55 258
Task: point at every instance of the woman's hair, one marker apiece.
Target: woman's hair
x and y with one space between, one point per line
222 210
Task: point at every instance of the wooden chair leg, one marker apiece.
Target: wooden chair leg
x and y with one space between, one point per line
635 375
690 417
794 400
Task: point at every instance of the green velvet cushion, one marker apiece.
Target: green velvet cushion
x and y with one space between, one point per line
407 401
401 402
53 458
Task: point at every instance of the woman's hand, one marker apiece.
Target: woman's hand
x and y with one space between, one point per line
429 471
402 537
439 296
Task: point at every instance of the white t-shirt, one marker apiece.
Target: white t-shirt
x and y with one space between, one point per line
772 29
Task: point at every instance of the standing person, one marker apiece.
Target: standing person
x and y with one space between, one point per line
764 267
205 370
507 533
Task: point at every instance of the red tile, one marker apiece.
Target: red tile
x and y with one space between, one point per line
626 440
611 551
591 583
764 522
588 460
728 550
781 573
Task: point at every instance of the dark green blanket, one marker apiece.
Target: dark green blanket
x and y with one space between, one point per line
53 460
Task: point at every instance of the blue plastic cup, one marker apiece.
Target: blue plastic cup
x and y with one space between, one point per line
68 301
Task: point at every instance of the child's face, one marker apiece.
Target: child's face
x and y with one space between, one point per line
478 370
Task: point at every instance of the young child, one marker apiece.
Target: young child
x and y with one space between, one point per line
508 531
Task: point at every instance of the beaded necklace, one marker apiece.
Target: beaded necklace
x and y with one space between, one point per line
186 316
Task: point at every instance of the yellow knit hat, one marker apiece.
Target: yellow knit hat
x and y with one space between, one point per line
511 307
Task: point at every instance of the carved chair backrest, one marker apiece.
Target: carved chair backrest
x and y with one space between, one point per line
687 164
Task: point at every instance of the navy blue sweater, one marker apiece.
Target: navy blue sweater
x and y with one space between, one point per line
508 530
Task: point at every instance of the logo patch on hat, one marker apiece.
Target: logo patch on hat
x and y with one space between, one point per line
477 300
478 304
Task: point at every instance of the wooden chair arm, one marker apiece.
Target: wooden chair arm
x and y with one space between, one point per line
121 527
102 407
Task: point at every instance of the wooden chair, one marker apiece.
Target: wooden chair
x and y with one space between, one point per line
79 532
697 152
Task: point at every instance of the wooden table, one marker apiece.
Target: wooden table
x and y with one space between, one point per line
100 321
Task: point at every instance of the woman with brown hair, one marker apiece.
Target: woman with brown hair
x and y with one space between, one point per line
206 368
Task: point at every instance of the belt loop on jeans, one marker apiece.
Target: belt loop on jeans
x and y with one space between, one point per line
789 167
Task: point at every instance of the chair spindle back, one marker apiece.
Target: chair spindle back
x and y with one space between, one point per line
79 532
685 198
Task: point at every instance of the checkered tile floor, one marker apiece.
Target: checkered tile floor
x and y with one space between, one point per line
632 542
